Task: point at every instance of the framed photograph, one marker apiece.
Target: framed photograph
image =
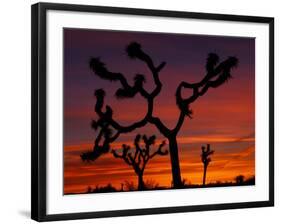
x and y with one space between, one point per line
138 111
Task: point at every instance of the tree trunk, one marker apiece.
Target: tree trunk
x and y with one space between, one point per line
175 163
140 182
204 175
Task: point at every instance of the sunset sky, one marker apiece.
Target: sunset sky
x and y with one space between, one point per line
223 117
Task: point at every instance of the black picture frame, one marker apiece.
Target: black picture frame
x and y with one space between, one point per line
39 123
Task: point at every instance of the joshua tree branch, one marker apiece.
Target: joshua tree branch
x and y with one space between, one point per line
179 123
125 155
161 127
107 115
134 51
99 148
159 151
222 74
100 70
155 73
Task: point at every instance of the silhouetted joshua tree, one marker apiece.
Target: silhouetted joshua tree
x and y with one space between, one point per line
139 157
205 158
216 75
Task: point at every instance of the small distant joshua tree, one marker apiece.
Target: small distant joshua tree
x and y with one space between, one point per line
205 158
216 74
139 156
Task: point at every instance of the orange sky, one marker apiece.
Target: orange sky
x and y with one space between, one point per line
224 117
225 166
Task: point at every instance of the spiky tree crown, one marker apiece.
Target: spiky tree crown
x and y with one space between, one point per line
97 66
212 60
100 93
134 50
